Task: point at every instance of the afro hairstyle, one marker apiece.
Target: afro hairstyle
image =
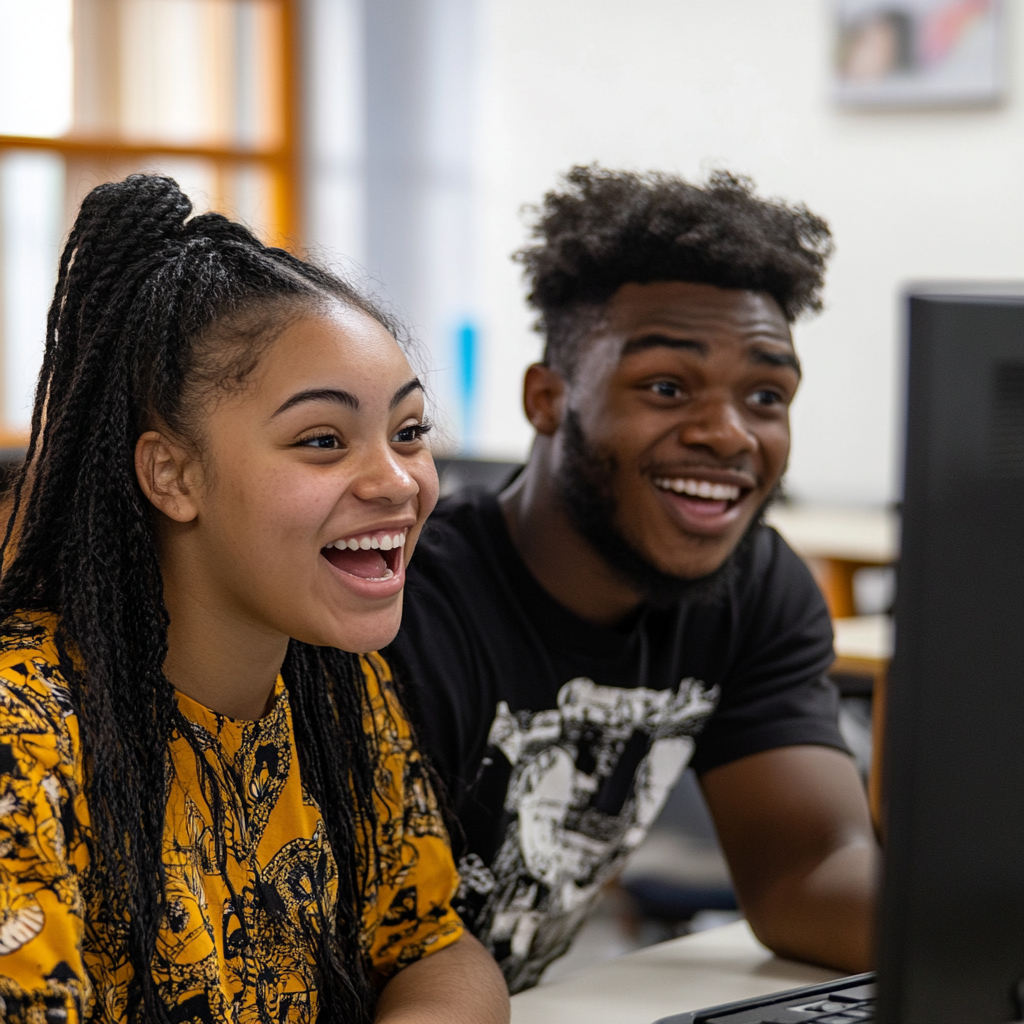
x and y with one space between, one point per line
602 229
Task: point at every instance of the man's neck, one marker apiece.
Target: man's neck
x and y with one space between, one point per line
564 564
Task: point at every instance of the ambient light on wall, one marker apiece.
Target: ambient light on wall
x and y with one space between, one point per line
467 344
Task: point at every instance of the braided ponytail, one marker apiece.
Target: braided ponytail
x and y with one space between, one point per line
143 295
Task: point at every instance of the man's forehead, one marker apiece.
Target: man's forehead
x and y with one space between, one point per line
686 306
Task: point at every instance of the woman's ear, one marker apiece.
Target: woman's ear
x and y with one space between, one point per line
166 474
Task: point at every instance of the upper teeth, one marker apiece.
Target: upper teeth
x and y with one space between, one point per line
384 543
699 488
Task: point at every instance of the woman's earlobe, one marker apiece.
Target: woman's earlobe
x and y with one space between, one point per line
162 468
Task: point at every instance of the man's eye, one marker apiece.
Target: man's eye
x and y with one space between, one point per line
767 397
414 432
666 389
322 442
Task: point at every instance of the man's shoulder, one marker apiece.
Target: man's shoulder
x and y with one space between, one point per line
769 568
457 583
460 541
465 549
771 594
466 513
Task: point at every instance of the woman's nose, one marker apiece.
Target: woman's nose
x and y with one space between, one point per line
383 477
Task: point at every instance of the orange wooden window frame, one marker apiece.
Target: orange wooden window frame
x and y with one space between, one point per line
282 160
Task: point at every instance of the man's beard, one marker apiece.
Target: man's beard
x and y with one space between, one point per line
586 484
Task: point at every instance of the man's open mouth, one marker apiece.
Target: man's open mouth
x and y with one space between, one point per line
370 556
703 497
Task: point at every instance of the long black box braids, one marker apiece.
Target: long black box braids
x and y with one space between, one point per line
151 309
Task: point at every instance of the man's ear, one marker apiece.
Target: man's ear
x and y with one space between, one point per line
544 398
166 474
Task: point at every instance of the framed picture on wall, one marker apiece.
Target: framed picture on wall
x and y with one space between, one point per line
904 53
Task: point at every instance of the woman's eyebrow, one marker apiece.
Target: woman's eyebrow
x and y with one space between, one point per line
320 395
406 389
345 398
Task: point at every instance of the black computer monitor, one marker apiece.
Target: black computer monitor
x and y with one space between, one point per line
951 940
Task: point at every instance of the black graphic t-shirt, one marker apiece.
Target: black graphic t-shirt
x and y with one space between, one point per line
559 740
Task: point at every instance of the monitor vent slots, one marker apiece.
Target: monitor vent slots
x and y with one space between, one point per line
1006 436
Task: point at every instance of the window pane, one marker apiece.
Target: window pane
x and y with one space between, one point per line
243 192
31 229
181 71
40 195
35 67
199 73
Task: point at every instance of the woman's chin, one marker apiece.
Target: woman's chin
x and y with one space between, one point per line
363 631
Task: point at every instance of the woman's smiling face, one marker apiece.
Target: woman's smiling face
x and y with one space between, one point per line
314 484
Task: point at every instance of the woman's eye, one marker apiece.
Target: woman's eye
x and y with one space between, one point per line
413 432
322 442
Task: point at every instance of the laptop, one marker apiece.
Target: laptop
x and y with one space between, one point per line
950 930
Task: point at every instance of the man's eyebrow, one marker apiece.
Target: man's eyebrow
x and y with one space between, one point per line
766 357
662 341
320 395
405 390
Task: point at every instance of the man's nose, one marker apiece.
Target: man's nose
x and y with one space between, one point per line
719 426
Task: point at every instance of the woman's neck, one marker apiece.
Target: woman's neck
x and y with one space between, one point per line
217 655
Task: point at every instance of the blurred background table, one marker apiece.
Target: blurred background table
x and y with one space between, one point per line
837 542
863 645
711 967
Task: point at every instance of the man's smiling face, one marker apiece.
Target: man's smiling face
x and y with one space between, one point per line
683 392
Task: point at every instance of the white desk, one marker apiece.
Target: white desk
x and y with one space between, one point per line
716 966
865 535
836 542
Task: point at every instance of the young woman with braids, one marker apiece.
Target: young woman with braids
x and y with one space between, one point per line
208 810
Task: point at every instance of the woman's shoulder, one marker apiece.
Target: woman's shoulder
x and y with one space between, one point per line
34 695
28 631
384 706
384 703
377 673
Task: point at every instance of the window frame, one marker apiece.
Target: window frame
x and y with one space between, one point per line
282 161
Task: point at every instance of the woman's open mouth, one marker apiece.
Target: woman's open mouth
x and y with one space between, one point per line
367 556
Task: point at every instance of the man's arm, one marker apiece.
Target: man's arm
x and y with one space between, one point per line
795 828
460 984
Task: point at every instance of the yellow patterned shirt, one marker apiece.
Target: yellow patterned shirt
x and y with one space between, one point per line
233 944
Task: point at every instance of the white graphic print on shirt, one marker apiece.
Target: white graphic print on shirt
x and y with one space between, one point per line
588 779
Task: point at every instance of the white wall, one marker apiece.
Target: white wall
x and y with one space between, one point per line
389 172
687 85
334 133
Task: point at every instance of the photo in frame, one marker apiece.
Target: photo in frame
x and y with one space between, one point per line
906 53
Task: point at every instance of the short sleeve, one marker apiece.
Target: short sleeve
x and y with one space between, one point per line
410 913
41 917
775 691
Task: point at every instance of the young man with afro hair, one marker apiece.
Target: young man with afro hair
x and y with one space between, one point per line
620 611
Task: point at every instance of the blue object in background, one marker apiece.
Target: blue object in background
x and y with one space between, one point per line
467 340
